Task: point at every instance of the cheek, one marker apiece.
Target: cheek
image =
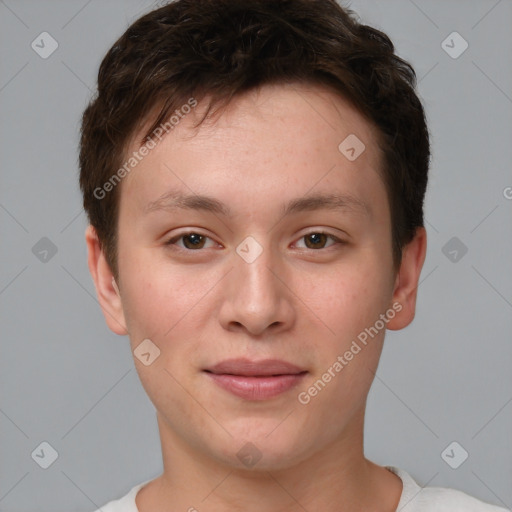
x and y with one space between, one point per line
348 297
157 295
172 306
349 303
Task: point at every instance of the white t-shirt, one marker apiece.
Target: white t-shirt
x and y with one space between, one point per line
413 499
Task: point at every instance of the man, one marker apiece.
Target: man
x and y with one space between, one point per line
254 174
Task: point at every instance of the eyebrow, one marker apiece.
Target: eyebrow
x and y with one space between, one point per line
178 200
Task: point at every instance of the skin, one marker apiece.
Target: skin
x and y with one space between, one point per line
301 300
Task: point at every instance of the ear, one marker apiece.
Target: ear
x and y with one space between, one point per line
406 283
106 289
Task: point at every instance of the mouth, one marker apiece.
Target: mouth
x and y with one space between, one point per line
256 380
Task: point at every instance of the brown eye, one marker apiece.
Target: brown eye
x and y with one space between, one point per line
191 241
195 241
317 240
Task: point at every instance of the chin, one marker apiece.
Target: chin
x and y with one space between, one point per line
266 449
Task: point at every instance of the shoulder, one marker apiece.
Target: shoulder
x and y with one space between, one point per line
451 500
437 499
124 504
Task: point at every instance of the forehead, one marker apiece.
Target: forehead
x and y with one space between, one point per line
309 109
271 138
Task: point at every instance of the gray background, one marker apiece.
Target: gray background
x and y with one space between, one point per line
67 380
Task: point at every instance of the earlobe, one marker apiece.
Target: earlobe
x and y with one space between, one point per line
407 279
107 290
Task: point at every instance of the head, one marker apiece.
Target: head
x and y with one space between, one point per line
256 105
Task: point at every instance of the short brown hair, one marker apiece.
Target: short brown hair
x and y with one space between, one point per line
220 49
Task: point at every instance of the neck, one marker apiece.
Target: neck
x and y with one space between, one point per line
334 478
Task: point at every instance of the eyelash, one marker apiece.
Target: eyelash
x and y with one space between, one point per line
172 242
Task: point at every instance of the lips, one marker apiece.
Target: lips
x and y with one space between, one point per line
256 380
248 368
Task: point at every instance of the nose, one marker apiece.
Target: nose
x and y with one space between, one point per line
258 295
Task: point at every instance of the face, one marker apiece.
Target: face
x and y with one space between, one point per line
265 269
